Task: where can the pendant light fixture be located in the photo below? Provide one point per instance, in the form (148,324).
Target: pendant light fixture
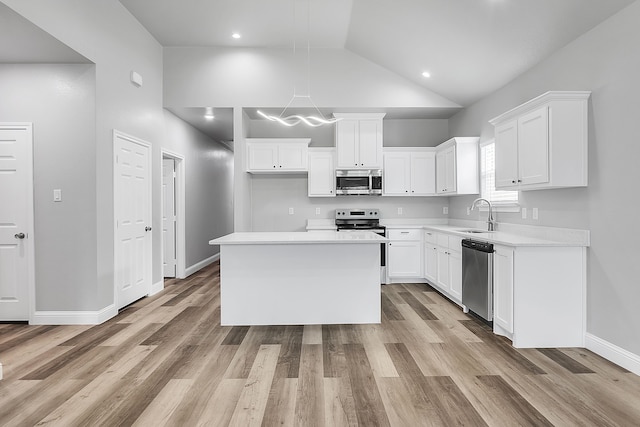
(294,119)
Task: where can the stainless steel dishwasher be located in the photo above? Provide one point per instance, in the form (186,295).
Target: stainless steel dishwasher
(477,278)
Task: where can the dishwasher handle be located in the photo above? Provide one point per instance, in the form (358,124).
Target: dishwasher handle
(477,245)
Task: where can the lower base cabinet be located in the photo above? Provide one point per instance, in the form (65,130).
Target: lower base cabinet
(449,266)
(404,253)
(503,288)
(539,295)
(430,252)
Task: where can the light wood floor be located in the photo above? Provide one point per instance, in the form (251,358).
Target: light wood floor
(166,360)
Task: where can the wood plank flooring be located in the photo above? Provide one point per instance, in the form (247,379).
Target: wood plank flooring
(165,360)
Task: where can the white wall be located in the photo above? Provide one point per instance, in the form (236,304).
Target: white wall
(605,60)
(60,102)
(107,34)
(263,78)
(209,186)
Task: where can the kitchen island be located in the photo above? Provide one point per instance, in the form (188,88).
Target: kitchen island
(299,278)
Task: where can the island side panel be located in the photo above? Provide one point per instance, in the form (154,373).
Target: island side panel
(300,284)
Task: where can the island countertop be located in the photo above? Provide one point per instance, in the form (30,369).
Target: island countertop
(302,237)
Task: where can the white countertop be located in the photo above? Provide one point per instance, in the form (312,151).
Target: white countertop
(506,234)
(545,237)
(316,237)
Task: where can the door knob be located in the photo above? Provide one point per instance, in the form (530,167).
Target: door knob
(147,229)
(19,236)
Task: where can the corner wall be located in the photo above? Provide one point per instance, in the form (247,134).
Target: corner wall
(107,34)
(59,99)
(605,60)
(209,187)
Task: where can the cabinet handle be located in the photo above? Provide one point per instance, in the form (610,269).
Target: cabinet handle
(519,180)
(513,181)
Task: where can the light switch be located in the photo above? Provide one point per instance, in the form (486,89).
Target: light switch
(524,213)
(57,195)
(445,210)
(534,213)
(290,211)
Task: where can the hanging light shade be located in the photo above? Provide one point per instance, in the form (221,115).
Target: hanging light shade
(318,118)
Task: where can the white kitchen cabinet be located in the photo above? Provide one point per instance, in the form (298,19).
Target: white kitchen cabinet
(503,288)
(322,174)
(543,143)
(449,266)
(430,262)
(539,295)
(277,155)
(404,253)
(457,166)
(359,141)
(409,172)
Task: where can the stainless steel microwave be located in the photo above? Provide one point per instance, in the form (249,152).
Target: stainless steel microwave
(353,182)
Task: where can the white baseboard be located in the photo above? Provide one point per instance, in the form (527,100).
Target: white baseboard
(74,317)
(613,353)
(157,287)
(202,264)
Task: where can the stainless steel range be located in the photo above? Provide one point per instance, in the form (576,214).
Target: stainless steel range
(367,220)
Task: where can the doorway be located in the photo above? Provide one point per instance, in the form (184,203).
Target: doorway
(17,249)
(173,215)
(132,217)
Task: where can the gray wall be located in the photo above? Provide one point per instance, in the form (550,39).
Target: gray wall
(605,60)
(272,196)
(209,186)
(107,34)
(415,132)
(60,102)
(339,79)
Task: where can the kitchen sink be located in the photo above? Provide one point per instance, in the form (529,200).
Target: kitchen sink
(475,231)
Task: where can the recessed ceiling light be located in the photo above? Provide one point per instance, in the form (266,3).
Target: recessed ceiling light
(236,35)
(426,74)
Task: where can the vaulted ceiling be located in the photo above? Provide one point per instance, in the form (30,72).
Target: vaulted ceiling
(470,47)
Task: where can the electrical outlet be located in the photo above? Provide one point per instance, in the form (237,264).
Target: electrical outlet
(290,211)
(399,211)
(524,213)
(534,213)
(317,211)
(57,195)
(445,210)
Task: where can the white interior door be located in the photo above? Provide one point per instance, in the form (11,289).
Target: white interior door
(16,220)
(168,217)
(132,199)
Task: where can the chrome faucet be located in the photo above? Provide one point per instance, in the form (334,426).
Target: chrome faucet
(491,223)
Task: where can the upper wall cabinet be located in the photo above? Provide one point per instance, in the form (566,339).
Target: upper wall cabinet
(277,155)
(322,174)
(457,166)
(542,144)
(359,141)
(409,172)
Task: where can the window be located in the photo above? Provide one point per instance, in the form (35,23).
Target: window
(488,178)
